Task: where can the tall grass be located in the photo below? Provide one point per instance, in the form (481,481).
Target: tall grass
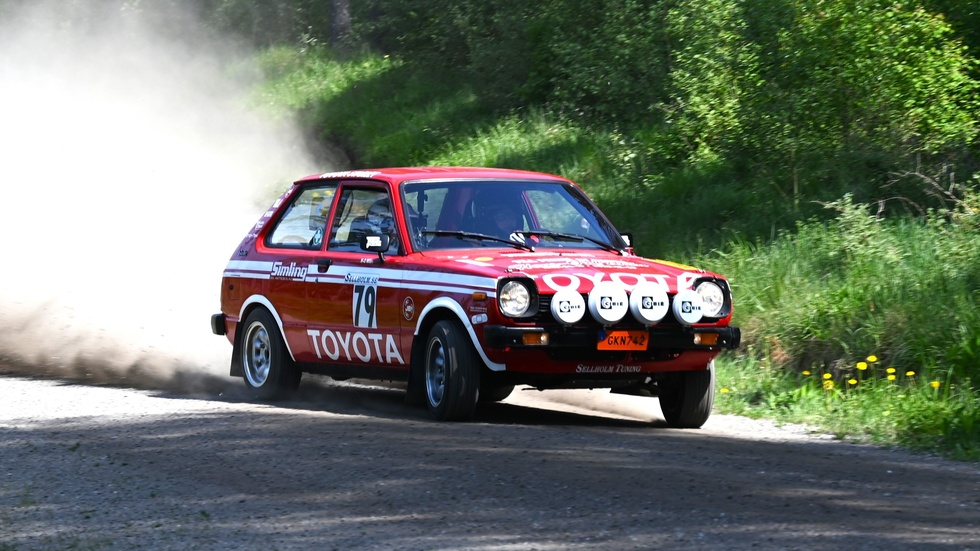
(815,304)
(815,298)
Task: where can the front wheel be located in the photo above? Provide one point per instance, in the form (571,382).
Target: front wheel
(452,373)
(686,397)
(269,372)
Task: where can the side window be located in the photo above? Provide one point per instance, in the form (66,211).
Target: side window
(303,224)
(361,212)
(422,213)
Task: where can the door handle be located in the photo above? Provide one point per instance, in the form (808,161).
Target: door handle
(322,264)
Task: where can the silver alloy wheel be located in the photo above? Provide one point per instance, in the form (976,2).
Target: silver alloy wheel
(435,372)
(257,354)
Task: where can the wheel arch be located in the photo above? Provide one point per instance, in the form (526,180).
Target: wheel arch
(444,308)
(251,304)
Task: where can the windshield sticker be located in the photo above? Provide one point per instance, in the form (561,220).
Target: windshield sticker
(350,174)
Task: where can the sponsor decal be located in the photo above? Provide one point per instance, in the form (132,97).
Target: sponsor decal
(574,281)
(350,174)
(478,319)
(566,306)
(366,279)
(649,303)
(373,241)
(293,272)
(565,262)
(609,303)
(617,368)
(354,346)
(408,308)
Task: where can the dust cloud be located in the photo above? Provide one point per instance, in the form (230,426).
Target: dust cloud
(130,168)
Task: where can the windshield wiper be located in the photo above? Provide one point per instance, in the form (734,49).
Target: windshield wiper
(573,237)
(477,236)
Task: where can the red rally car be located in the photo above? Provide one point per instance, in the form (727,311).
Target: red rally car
(465,282)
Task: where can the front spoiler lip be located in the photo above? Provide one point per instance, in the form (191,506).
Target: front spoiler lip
(678,338)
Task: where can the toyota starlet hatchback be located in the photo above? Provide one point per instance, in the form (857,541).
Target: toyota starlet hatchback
(465,282)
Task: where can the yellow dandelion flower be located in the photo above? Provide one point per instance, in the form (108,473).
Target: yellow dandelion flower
(805,372)
(891,377)
(827,376)
(828,385)
(934,384)
(890,370)
(862,366)
(872,358)
(910,373)
(852,381)
(724,391)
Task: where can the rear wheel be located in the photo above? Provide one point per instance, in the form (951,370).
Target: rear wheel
(452,373)
(269,372)
(686,397)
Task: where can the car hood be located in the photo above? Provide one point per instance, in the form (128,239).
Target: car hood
(578,269)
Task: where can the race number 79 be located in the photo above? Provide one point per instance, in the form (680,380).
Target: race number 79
(365,305)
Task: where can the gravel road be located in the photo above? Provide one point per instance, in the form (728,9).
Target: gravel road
(346,466)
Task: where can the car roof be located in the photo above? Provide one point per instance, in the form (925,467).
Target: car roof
(402,174)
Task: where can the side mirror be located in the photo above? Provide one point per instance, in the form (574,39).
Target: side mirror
(376,243)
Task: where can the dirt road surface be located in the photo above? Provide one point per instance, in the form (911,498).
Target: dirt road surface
(347,466)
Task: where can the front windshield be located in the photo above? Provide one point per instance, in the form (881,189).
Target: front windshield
(523,214)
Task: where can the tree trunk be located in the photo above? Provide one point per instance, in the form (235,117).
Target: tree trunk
(341,34)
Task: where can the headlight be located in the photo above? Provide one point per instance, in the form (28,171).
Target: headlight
(713,298)
(514,299)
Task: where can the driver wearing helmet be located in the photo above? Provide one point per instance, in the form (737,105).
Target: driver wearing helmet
(500,218)
(381,221)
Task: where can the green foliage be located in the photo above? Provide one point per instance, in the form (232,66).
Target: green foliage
(603,60)
(865,401)
(820,298)
(831,290)
(270,22)
(783,144)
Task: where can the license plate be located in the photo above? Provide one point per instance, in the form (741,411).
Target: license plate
(623,340)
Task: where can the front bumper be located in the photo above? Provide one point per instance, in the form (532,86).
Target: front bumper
(569,339)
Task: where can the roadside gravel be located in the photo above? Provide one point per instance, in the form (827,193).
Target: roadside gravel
(346,466)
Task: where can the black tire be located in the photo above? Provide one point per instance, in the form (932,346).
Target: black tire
(686,397)
(452,373)
(268,371)
(495,393)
